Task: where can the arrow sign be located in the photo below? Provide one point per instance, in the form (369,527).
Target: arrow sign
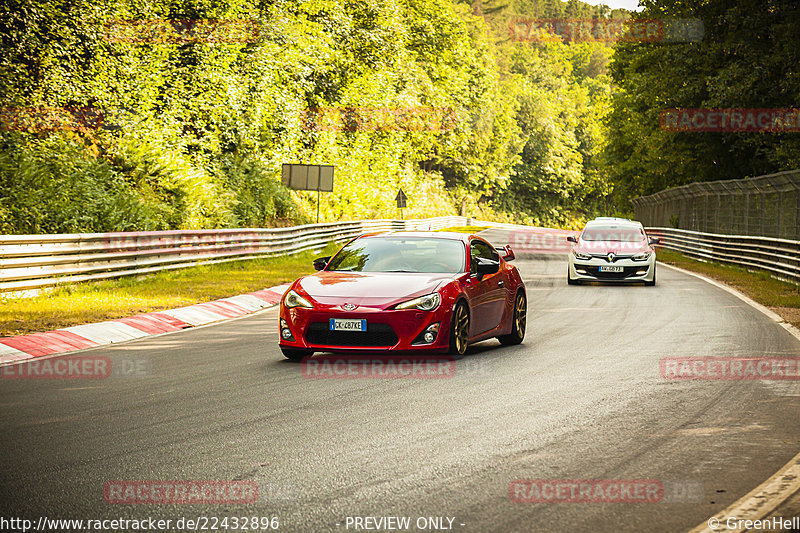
(401,199)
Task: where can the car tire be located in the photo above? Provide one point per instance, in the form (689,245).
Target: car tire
(295,355)
(518,322)
(571,281)
(459,331)
(651,283)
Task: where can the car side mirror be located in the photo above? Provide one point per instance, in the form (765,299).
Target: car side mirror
(654,240)
(485,266)
(506,253)
(321,262)
(572,238)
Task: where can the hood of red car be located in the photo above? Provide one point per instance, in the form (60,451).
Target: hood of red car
(606,247)
(373,286)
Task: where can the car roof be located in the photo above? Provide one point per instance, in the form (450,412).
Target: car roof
(447,235)
(613,222)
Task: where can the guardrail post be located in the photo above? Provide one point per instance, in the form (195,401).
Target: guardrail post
(746,213)
(659,217)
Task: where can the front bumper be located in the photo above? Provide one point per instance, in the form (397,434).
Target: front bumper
(632,271)
(387,330)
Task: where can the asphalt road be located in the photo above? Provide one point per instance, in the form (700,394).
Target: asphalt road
(582,398)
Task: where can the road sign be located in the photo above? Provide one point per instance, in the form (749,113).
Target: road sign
(308,178)
(401,199)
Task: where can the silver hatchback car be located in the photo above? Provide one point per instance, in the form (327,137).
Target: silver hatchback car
(613,250)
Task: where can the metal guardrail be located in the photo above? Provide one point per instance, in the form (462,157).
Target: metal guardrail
(781,257)
(37,261)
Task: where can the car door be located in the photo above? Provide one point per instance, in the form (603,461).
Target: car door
(489,292)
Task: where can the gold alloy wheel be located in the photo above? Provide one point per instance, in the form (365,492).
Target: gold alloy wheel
(461,329)
(520,312)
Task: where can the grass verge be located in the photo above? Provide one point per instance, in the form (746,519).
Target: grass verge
(780,296)
(82,303)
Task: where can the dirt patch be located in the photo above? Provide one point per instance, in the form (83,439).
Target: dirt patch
(789,314)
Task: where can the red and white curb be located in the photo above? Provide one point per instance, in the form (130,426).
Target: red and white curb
(135,327)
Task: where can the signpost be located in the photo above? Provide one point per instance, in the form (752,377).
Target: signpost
(401,200)
(308,178)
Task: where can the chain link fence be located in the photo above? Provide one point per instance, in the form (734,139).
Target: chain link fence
(767,206)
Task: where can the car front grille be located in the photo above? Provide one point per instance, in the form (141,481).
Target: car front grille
(627,272)
(377,335)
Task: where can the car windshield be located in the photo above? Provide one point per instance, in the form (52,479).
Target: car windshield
(400,254)
(613,233)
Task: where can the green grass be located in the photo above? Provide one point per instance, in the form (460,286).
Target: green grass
(465,229)
(82,303)
(781,296)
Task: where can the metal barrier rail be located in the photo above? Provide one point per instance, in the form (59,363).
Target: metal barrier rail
(36,261)
(781,257)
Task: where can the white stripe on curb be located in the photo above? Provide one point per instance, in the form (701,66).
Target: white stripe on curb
(249,302)
(107,332)
(196,316)
(280,289)
(8,354)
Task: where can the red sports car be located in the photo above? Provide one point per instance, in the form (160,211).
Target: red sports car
(405,292)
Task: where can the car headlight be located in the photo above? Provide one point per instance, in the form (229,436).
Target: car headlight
(429,302)
(295,300)
(581,256)
(641,256)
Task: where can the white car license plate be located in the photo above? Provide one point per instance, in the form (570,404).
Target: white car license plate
(348,324)
(610,269)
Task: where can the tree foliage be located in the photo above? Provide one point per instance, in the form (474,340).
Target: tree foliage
(194,130)
(747,59)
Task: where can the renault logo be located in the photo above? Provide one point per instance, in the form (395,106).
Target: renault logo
(611,257)
(349,307)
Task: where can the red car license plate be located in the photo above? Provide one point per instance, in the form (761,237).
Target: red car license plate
(348,324)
